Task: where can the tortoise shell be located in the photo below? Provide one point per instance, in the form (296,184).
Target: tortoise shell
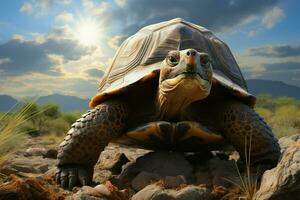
(139,57)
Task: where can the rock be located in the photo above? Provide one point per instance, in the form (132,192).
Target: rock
(35,151)
(21,166)
(283,181)
(174,181)
(29,188)
(113,158)
(85,196)
(161,163)
(215,172)
(143,179)
(203,178)
(114,162)
(102,189)
(100,175)
(222,171)
(90,193)
(100,192)
(38,151)
(157,192)
(50,153)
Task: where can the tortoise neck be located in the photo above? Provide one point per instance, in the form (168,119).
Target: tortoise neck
(169,106)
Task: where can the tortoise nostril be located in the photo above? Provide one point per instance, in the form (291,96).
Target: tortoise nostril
(191,53)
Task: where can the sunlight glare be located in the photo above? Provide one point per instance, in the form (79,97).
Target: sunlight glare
(87,32)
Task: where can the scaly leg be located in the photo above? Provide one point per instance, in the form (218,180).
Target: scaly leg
(240,123)
(86,139)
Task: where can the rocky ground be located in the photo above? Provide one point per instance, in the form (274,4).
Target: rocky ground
(129,173)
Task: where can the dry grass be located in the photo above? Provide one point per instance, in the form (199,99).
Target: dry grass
(281,113)
(247,182)
(11,130)
(52,140)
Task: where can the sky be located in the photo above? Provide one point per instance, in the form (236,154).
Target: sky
(64,46)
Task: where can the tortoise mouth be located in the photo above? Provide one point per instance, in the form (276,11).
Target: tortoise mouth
(192,75)
(185,80)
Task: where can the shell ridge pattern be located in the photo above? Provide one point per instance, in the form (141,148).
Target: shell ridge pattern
(141,54)
(131,65)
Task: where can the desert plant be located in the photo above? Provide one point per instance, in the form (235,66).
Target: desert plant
(247,182)
(11,131)
(71,117)
(58,126)
(281,113)
(39,115)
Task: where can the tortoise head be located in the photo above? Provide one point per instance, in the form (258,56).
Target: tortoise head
(185,77)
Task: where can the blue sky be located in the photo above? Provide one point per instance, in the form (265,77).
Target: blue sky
(64,46)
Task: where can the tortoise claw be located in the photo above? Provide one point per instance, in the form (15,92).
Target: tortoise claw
(69,176)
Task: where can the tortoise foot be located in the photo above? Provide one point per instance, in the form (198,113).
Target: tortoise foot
(71,175)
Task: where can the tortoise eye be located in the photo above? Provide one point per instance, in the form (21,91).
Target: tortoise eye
(204,59)
(173,58)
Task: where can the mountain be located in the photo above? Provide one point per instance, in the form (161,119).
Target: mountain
(65,103)
(7,102)
(72,103)
(275,88)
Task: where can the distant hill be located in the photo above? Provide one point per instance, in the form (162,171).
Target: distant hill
(65,103)
(275,88)
(7,102)
(72,103)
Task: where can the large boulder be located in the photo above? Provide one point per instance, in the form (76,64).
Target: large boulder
(283,181)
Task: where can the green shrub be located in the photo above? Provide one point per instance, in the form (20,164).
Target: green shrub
(11,129)
(71,117)
(281,113)
(57,126)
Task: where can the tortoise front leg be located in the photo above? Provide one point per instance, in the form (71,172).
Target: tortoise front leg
(86,139)
(240,122)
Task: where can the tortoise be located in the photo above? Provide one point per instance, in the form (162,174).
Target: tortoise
(173,85)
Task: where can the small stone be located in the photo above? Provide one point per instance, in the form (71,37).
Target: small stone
(50,153)
(143,179)
(35,151)
(43,168)
(102,189)
(92,191)
(148,192)
(203,177)
(157,192)
(174,181)
(222,171)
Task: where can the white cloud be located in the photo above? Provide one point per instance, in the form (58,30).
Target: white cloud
(41,7)
(101,9)
(281,62)
(87,4)
(121,3)
(50,63)
(4,60)
(273,17)
(37,7)
(39,38)
(64,17)
(18,37)
(65,1)
(116,41)
(252,33)
(27,8)
(56,59)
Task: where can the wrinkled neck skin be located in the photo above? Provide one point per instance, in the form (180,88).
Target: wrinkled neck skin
(172,99)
